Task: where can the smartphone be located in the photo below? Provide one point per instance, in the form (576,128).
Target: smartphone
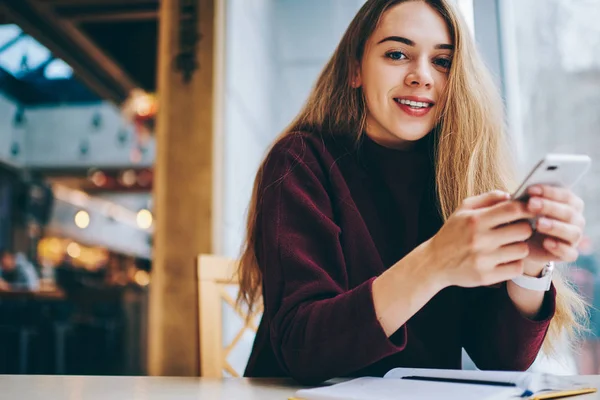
(563,170)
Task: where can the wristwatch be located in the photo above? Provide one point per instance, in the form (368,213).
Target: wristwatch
(541,283)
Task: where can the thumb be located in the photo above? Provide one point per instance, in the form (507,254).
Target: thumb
(485,200)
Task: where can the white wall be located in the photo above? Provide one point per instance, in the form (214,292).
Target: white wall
(248,109)
(54,136)
(307,32)
(9,133)
(275,50)
(50,137)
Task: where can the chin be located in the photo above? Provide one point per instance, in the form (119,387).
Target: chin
(411,136)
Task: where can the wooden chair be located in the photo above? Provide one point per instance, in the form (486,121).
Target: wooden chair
(225,333)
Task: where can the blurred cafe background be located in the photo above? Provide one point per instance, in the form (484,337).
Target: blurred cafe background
(130,134)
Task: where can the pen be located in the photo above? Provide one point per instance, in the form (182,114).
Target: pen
(455,380)
(544,396)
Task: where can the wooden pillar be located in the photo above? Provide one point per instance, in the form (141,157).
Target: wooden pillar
(188,94)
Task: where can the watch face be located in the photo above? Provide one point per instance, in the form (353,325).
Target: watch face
(548,268)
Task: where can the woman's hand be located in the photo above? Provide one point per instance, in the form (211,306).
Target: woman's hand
(484,242)
(559,228)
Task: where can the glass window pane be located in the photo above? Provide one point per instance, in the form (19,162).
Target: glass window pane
(8,32)
(557,93)
(23,56)
(58,69)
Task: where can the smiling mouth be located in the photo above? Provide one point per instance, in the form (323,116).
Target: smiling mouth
(413,104)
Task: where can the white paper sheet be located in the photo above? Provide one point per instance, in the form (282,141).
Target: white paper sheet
(524,380)
(400,389)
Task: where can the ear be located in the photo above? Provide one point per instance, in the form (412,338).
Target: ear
(355,76)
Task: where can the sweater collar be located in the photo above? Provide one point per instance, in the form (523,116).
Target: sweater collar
(414,163)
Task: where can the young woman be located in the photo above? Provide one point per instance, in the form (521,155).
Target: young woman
(380,233)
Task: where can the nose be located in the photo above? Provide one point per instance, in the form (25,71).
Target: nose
(420,75)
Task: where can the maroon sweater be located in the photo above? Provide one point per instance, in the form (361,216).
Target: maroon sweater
(332,217)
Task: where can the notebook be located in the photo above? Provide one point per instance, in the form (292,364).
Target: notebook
(416,383)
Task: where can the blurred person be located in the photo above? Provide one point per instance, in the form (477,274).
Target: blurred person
(380,232)
(17,273)
(68,276)
(588,282)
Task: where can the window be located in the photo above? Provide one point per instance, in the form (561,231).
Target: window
(8,33)
(58,69)
(24,55)
(20,53)
(552,72)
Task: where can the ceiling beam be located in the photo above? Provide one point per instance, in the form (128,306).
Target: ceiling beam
(11,42)
(66,41)
(117,16)
(98,2)
(108,12)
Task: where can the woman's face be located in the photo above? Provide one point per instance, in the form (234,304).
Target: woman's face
(403,73)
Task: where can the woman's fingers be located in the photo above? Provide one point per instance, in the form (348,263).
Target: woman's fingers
(558,194)
(555,210)
(491,234)
(504,255)
(516,232)
(502,264)
(504,213)
(568,233)
(510,253)
(561,250)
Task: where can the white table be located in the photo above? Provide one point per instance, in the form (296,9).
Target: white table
(30,387)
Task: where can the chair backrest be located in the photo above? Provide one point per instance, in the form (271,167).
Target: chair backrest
(226,335)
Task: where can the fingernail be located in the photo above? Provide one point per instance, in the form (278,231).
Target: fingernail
(551,243)
(536,190)
(535,204)
(544,223)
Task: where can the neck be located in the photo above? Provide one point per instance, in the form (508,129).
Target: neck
(385,138)
(391,143)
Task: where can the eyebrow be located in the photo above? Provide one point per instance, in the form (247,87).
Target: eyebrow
(409,42)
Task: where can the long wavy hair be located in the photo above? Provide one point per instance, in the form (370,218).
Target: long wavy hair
(471,151)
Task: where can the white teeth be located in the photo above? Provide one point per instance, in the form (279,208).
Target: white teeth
(415,104)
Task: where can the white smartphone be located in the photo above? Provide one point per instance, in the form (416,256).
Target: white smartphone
(563,170)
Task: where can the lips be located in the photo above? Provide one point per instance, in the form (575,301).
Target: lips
(414,106)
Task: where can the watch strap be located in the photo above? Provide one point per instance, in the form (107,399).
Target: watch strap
(541,284)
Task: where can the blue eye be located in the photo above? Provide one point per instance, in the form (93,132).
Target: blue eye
(443,62)
(395,55)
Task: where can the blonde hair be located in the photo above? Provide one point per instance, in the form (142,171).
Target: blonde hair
(471,150)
